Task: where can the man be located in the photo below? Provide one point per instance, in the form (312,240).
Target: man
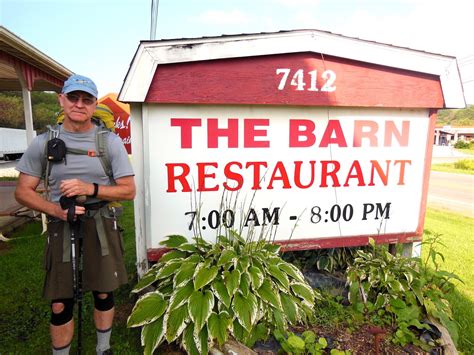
(79,175)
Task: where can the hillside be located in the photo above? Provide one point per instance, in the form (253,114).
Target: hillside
(456,118)
(45,107)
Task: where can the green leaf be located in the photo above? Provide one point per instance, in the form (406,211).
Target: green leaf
(181,296)
(174,241)
(232,281)
(245,284)
(256,275)
(304,291)
(309,336)
(296,343)
(175,321)
(218,325)
(243,263)
(221,292)
(292,271)
(238,331)
(259,332)
(203,275)
(269,295)
(396,286)
(152,336)
(188,340)
(184,274)
(188,247)
(279,319)
(168,269)
(290,306)
(245,310)
(200,307)
(202,341)
(228,255)
(279,275)
(171,255)
(145,281)
(272,248)
(148,308)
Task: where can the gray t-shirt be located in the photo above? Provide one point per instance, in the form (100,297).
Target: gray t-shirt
(86,168)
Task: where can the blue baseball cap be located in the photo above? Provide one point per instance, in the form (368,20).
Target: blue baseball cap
(80,83)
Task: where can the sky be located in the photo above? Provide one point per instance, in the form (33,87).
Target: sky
(98,38)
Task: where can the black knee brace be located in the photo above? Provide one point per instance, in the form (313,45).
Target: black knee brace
(66,314)
(103,304)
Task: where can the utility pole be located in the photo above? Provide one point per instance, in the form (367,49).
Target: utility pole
(154,18)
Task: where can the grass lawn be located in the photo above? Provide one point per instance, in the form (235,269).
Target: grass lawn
(24,315)
(464,166)
(457,234)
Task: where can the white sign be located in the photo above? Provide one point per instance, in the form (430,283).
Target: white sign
(334,172)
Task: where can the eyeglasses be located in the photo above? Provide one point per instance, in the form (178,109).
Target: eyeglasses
(73,98)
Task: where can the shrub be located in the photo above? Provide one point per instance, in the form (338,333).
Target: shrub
(402,292)
(461,144)
(465,164)
(208,292)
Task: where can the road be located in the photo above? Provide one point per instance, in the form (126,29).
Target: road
(454,192)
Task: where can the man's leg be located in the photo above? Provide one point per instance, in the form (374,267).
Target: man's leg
(104,311)
(62,325)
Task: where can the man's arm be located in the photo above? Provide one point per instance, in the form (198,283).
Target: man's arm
(123,190)
(26,195)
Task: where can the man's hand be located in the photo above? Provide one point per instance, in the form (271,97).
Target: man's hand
(76,187)
(62,214)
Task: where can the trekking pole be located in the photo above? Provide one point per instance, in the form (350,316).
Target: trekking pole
(79,282)
(70,205)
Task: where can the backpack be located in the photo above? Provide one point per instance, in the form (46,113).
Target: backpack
(100,151)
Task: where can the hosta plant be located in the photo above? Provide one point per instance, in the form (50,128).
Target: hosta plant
(206,293)
(402,292)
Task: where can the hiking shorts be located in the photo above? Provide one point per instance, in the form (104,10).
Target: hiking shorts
(103,267)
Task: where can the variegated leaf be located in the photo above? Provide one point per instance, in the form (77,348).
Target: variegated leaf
(279,275)
(268,294)
(175,321)
(256,275)
(181,295)
(245,309)
(152,336)
(272,248)
(245,284)
(201,340)
(227,256)
(243,263)
(292,271)
(221,292)
(203,275)
(145,281)
(184,274)
(218,325)
(188,247)
(200,307)
(147,309)
(290,306)
(304,291)
(171,255)
(188,340)
(169,269)
(232,281)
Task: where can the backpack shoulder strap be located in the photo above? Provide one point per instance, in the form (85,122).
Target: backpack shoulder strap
(53,132)
(102,147)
